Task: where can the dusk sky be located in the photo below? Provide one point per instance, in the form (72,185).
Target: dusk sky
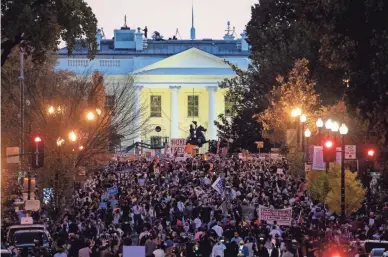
(166,16)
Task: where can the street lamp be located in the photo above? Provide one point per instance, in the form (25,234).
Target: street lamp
(51,110)
(319,124)
(81,148)
(328,125)
(343,131)
(295,113)
(72,136)
(90,116)
(335,128)
(303,119)
(98,111)
(307,135)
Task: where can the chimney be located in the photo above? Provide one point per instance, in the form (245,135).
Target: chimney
(139,40)
(244,43)
(98,39)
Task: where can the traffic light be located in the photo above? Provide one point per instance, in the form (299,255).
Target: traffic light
(329,151)
(37,152)
(371,153)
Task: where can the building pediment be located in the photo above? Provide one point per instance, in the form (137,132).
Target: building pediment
(193,58)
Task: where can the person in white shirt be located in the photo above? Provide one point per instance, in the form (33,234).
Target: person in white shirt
(159,252)
(197,222)
(218,249)
(218,229)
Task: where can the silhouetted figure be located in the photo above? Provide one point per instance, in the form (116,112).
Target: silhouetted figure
(145,31)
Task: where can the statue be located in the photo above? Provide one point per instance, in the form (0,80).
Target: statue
(197,135)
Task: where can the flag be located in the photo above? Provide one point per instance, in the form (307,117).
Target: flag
(218,185)
(300,218)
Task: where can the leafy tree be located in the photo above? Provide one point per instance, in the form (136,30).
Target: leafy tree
(59,104)
(38,26)
(354,193)
(318,185)
(295,91)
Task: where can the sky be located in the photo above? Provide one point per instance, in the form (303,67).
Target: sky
(166,16)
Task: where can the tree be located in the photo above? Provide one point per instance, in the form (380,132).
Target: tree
(295,91)
(38,26)
(318,185)
(60,103)
(346,43)
(354,193)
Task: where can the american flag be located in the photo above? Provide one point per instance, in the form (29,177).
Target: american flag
(218,185)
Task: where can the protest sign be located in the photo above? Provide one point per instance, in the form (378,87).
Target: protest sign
(178,146)
(282,216)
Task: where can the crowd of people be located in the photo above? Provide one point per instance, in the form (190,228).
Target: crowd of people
(170,207)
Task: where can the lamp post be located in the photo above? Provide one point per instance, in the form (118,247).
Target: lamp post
(319,125)
(343,131)
(335,128)
(303,119)
(307,135)
(328,125)
(295,113)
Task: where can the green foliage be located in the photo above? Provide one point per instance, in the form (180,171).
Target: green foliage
(38,26)
(326,188)
(318,185)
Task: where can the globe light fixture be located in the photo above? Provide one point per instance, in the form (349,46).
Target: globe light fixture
(328,124)
(73,136)
(90,116)
(51,110)
(319,123)
(335,126)
(307,133)
(296,112)
(98,111)
(343,129)
(81,148)
(303,118)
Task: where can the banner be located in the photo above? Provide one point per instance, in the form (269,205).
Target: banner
(178,146)
(283,217)
(218,185)
(318,163)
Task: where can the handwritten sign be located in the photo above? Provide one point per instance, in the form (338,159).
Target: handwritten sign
(178,146)
(282,216)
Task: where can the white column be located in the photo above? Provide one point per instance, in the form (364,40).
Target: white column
(137,113)
(174,112)
(212,112)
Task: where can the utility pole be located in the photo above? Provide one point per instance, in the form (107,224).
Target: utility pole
(21,79)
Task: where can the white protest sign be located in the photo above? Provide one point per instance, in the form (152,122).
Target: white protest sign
(350,152)
(32,205)
(178,146)
(281,216)
(26,221)
(138,251)
(318,163)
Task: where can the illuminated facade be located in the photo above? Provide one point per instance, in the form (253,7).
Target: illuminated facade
(177,79)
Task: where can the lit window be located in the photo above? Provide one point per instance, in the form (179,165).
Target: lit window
(156,106)
(192,106)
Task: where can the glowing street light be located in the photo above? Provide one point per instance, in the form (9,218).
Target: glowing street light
(37,140)
(81,148)
(98,111)
(73,136)
(90,116)
(51,110)
(296,112)
(60,141)
(303,118)
(307,133)
(343,129)
(328,124)
(335,126)
(319,123)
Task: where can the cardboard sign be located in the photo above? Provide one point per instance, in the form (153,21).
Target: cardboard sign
(113,190)
(282,216)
